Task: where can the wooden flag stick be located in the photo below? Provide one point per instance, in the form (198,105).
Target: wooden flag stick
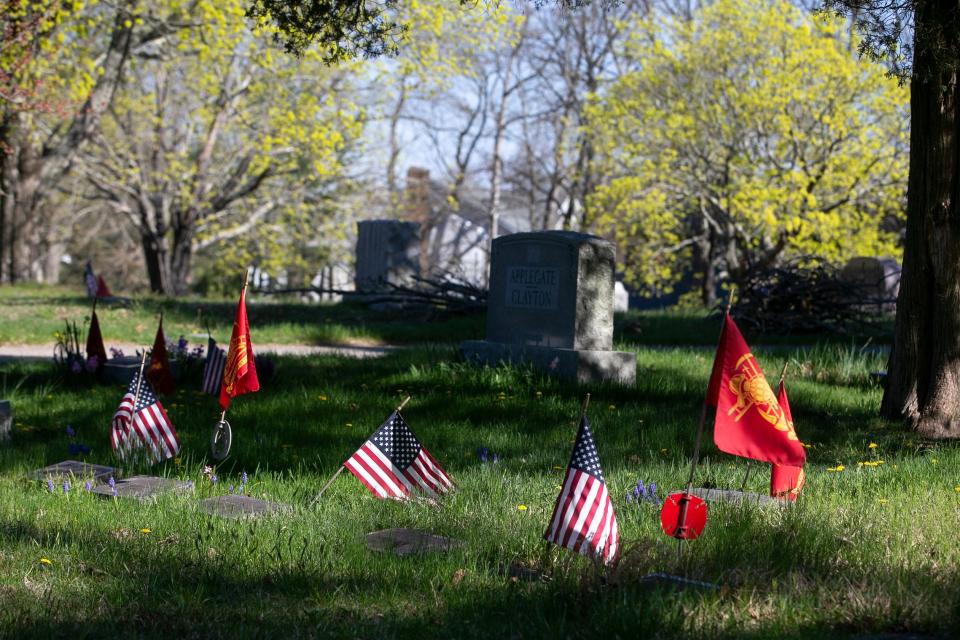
(783,372)
(403,404)
(733,293)
(326,486)
(743,486)
(586,403)
(136,395)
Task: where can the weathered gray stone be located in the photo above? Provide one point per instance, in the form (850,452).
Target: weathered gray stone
(388,252)
(233,506)
(405,542)
(551,304)
(876,280)
(583,366)
(73,469)
(730,495)
(676,583)
(6,421)
(140,487)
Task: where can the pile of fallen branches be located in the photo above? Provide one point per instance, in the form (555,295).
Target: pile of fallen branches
(793,299)
(446,294)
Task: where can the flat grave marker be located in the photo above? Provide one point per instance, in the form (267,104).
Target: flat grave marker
(140,487)
(731,495)
(405,542)
(74,469)
(236,507)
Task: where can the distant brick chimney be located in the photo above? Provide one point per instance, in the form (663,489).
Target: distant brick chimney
(417,194)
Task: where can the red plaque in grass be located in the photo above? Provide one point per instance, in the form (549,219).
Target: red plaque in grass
(688,507)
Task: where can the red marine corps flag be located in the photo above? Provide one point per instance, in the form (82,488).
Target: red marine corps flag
(239,374)
(158,371)
(750,422)
(785,480)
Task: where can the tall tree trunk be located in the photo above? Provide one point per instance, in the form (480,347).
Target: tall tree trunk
(155,257)
(923,385)
(180,261)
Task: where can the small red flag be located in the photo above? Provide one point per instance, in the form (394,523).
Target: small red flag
(785,480)
(750,422)
(158,373)
(95,342)
(239,373)
(102,290)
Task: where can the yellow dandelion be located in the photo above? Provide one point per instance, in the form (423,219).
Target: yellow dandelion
(45,561)
(177,461)
(144,531)
(611,407)
(556,467)
(957,488)
(836,469)
(663,450)
(872,445)
(322,398)
(882,501)
(539,394)
(349,424)
(934,461)
(521,507)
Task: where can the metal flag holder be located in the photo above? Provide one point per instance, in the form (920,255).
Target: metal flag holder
(220,439)
(222,435)
(341,467)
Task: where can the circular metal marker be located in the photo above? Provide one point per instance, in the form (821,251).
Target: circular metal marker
(688,508)
(220,440)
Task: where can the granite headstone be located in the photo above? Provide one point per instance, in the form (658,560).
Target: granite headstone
(551,305)
(388,253)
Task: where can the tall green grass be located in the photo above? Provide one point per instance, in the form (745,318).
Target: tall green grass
(867,549)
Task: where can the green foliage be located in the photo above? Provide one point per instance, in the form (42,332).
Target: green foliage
(746,135)
(340,30)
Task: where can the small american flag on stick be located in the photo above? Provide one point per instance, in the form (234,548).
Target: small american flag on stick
(392,463)
(213,368)
(583,518)
(141,421)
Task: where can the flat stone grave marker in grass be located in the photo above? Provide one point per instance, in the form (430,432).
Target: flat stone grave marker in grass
(140,487)
(730,495)
(75,469)
(6,421)
(406,542)
(678,583)
(551,305)
(233,506)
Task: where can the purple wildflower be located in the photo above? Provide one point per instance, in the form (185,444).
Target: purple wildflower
(92,363)
(213,479)
(230,489)
(49,485)
(243,478)
(182,345)
(87,485)
(70,431)
(495,458)
(482,453)
(66,486)
(111,482)
(76,367)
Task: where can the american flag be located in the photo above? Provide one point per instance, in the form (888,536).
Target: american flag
(213,368)
(145,425)
(583,518)
(90,280)
(392,463)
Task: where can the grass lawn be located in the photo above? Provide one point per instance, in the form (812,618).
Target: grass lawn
(31,314)
(867,549)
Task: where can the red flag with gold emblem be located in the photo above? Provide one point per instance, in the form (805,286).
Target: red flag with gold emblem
(239,373)
(158,373)
(785,480)
(750,422)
